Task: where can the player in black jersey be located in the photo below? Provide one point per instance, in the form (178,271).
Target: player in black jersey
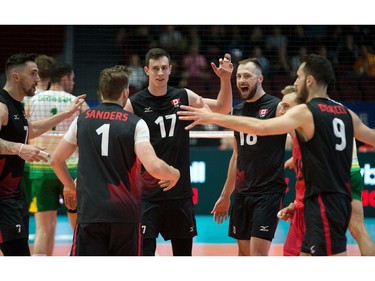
(171,213)
(256,170)
(21,80)
(110,141)
(325,131)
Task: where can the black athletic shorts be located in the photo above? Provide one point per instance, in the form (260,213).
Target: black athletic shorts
(170,218)
(327,218)
(255,216)
(14,219)
(107,239)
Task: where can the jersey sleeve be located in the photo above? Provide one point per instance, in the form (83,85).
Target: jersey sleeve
(71,134)
(142,132)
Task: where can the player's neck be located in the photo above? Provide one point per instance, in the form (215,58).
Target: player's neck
(14,93)
(56,87)
(318,93)
(158,91)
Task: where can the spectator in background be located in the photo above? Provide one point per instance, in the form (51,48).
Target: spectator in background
(264,62)
(322,50)
(214,39)
(173,40)
(276,50)
(256,39)
(236,40)
(347,53)
(365,63)
(194,63)
(193,36)
(296,60)
(138,78)
(134,40)
(297,40)
(46,188)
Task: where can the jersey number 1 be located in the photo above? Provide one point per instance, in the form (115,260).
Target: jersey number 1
(104,131)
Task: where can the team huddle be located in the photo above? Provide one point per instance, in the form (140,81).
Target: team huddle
(123,167)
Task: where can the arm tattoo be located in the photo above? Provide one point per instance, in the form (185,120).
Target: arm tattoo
(6,147)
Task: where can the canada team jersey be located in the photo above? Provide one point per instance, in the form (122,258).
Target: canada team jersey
(260,160)
(108,168)
(12,166)
(333,139)
(41,106)
(298,165)
(168,137)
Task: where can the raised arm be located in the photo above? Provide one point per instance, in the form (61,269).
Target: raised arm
(223,103)
(36,128)
(297,117)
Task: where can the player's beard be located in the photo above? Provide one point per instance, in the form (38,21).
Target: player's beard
(29,92)
(251,93)
(303,93)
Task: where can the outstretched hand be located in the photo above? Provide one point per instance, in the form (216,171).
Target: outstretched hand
(225,68)
(202,115)
(33,153)
(76,104)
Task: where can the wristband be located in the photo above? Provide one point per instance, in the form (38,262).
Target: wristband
(19,151)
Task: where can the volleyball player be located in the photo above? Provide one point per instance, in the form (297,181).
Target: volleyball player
(294,211)
(46,188)
(15,131)
(325,130)
(255,174)
(171,213)
(110,141)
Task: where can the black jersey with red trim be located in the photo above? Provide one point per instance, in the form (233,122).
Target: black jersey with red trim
(12,166)
(327,157)
(168,137)
(260,159)
(108,168)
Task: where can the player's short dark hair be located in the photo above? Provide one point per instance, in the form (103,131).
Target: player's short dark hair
(59,70)
(18,59)
(156,53)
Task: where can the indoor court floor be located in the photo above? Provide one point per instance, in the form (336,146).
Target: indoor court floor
(212,239)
